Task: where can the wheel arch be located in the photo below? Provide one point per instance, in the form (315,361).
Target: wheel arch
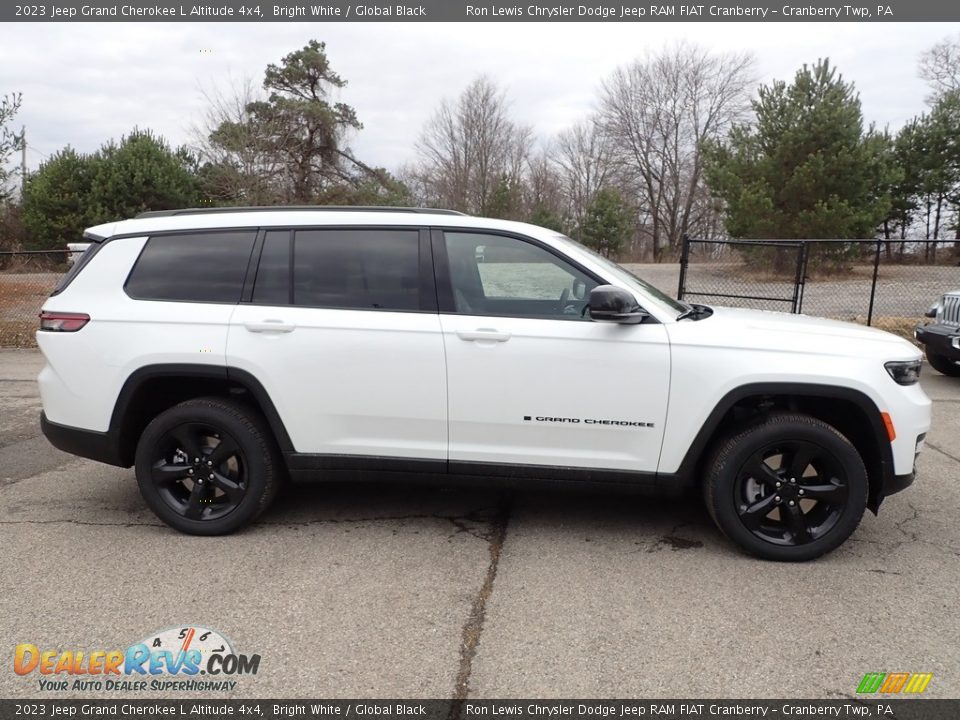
(152,389)
(850,411)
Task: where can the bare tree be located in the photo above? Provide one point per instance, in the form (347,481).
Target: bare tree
(10,141)
(657,112)
(940,66)
(239,160)
(543,189)
(585,159)
(470,148)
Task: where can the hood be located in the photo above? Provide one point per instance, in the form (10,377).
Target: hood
(803,333)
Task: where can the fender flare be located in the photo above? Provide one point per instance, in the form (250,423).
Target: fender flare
(711,426)
(246,380)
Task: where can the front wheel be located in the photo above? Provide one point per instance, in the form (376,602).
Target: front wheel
(943,364)
(788,488)
(207,466)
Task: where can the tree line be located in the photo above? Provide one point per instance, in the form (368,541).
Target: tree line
(680,142)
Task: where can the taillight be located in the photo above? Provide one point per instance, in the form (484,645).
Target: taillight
(63,321)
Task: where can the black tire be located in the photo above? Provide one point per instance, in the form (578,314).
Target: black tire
(208,466)
(943,364)
(760,500)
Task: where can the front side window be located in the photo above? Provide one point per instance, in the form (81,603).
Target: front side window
(192,267)
(357,269)
(499,275)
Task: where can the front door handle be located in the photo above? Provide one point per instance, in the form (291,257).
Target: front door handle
(483,335)
(277,326)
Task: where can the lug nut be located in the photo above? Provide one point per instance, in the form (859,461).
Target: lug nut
(793,480)
(792,503)
(779,483)
(800,492)
(211,476)
(196,460)
(209,463)
(776,498)
(190,471)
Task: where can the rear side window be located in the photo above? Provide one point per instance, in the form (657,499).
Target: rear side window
(192,267)
(342,268)
(78,264)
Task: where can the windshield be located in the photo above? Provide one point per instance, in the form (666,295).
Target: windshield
(621,273)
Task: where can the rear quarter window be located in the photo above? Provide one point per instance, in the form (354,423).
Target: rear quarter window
(192,267)
(78,264)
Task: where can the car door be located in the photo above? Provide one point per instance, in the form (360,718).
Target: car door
(341,329)
(531,379)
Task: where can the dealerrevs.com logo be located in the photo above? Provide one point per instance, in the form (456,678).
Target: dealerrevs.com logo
(187,658)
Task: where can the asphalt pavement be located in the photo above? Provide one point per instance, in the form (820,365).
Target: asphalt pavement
(398,591)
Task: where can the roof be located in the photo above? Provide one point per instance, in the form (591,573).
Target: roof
(287,208)
(210,218)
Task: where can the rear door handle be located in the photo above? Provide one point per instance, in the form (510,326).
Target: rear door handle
(483,335)
(277,326)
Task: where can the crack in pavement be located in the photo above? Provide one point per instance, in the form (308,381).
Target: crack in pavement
(473,627)
(942,451)
(460,522)
(81,522)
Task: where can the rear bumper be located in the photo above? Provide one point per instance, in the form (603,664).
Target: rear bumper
(99,446)
(941,339)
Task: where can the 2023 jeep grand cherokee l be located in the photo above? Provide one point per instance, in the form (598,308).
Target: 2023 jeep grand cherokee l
(220,352)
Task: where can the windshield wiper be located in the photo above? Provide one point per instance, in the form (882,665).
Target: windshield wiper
(696,312)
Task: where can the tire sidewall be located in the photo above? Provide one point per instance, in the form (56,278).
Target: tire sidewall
(255,453)
(724,479)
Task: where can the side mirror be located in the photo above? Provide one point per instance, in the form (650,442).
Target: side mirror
(612,304)
(932,311)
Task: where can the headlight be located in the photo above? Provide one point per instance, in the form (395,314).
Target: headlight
(904,372)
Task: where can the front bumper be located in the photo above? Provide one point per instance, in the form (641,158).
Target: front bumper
(896,483)
(940,339)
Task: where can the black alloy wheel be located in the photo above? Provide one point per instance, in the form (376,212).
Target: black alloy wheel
(791,493)
(200,471)
(786,487)
(208,466)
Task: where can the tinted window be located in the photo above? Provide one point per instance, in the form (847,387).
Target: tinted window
(497,275)
(78,264)
(198,267)
(273,273)
(357,269)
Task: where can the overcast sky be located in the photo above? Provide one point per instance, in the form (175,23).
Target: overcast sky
(85,83)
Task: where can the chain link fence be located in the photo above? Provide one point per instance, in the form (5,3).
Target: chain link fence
(26,280)
(888,285)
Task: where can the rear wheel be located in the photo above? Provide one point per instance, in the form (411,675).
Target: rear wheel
(943,364)
(207,466)
(788,488)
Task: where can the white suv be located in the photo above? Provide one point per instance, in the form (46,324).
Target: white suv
(220,352)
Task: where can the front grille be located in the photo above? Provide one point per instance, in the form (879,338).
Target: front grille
(950,310)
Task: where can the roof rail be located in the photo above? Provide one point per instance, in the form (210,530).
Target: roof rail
(320,208)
